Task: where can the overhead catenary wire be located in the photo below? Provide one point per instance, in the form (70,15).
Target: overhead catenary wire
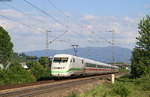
(15,21)
(53,17)
(59,10)
(11,6)
(58,37)
(50,15)
(26,25)
(52,4)
(44,12)
(47,14)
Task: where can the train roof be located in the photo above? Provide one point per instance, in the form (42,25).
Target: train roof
(63,55)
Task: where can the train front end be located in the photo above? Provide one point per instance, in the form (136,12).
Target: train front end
(60,66)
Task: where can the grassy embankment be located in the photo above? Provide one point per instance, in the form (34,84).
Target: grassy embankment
(124,87)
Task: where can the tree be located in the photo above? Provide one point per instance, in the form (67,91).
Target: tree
(43,61)
(38,70)
(15,74)
(5,47)
(141,53)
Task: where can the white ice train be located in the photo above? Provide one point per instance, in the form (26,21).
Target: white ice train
(65,65)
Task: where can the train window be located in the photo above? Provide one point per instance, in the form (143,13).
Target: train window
(99,66)
(60,59)
(73,60)
(90,65)
(82,61)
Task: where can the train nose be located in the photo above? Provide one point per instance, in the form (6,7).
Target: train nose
(58,68)
(59,71)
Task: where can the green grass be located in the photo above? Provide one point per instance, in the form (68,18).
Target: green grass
(123,87)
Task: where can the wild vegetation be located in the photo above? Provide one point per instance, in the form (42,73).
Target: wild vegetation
(125,86)
(6,47)
(38,70)
(15,73)
(141,53)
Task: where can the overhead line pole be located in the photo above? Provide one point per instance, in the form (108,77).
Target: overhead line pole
(47,43)
(75,47)
(113,48)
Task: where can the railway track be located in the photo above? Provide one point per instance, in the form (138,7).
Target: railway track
(52,86)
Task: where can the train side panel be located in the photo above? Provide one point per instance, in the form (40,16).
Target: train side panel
(76,66)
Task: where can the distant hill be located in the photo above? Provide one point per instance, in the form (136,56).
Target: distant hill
(103,54)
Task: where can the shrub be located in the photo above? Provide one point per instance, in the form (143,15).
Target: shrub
(144,82)
(18,75)
(2,77)
(38,70)
(15,74)
(72,94)
(44,61)
(121,90)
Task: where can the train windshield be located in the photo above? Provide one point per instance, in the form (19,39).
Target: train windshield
(60,60)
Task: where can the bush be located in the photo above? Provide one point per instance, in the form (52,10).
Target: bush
(38,70)
(121,90)
(15,74)
(2,77)
(72,94)
(44,61)
(18,75)
(144,82)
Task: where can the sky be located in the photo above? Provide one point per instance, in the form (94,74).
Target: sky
(88,23)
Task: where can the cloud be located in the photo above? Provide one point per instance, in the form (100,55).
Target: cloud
(89,17)
(91,27)
(147,6)
(11,13)
(131,20)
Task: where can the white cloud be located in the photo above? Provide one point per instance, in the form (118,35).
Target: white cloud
(130,20)
(147,6)
(89,17)
(95,29)
(11,13)
(116,27)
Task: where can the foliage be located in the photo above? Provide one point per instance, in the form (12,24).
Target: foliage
(124,86)
(141,53)
(16,57)
(38,70)
(5,47)
(144,82)
(31,58)
(123,69)
(44,61)
(72,94)
(15,74)
(121,90)
(3,77)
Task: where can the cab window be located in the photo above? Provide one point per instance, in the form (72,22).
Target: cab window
(60,60)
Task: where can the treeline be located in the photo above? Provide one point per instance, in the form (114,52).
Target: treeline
(16,74)
(140,62)
(13,71)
